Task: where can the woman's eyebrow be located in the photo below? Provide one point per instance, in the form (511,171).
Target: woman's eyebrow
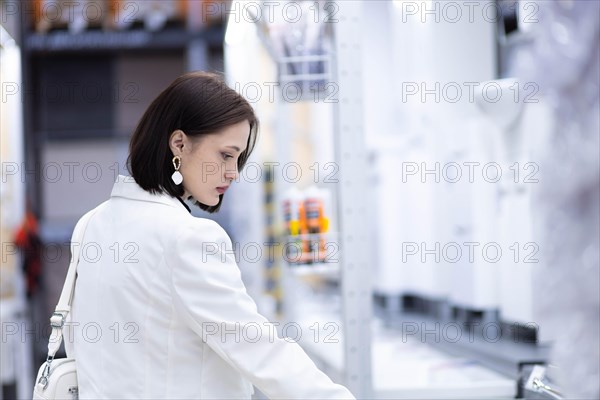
(234,147)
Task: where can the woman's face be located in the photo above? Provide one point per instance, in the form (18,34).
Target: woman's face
(209,162)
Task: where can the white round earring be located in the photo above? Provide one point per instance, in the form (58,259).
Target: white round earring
(177,177)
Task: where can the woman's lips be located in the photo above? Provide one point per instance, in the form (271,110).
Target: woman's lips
(222,189)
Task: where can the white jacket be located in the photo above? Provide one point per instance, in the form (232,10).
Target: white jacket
(160,311)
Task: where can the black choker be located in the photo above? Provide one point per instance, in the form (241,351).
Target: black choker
(185,205)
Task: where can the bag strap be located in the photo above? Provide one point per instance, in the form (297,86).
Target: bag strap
(58,318)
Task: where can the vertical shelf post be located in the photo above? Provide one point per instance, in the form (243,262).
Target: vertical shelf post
(352,202)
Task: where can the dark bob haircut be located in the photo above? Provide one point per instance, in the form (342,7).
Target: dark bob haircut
(198,103)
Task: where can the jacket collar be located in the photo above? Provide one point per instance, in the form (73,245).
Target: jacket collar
(127,187)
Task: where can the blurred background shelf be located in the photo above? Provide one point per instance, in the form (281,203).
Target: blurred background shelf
(91,41)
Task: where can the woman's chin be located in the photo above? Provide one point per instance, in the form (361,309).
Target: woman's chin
(214,201)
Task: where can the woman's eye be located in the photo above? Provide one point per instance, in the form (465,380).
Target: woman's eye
(226,156)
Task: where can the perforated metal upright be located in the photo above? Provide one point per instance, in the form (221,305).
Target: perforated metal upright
(352,200)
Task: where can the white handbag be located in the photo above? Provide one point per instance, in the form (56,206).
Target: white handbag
(57,378)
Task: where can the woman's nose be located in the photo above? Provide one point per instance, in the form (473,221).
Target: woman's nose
(231,174)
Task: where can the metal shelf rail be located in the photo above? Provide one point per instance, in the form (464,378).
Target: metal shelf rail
(351,159)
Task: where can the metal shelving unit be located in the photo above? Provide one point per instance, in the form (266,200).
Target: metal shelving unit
(372,362)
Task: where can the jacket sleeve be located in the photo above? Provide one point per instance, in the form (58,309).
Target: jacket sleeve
(208,290)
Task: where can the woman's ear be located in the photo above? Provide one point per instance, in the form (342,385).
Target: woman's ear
(177,141)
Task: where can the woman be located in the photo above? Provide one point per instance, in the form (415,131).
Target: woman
(159,309)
